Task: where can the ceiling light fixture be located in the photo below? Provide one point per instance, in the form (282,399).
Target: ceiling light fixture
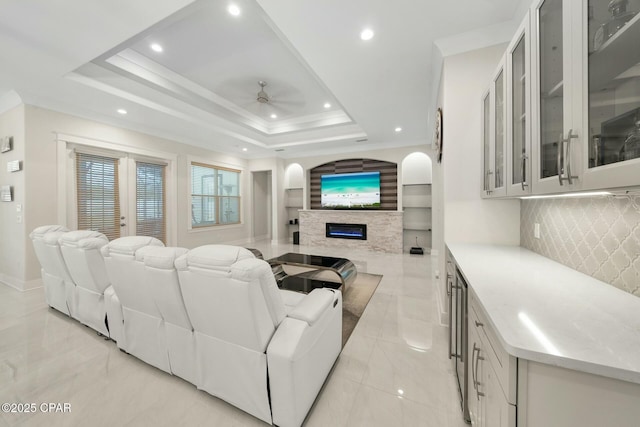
(234,10)
(327,105)
(398,129)
(274,116)
(122,111)
(366,34)
(156,47)
(245,149)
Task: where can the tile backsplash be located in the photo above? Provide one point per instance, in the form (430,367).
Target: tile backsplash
(597,236)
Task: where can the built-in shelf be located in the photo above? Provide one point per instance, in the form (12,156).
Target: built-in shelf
(556,91)
(615,56)
(416,228)
(416,203)
(294,201)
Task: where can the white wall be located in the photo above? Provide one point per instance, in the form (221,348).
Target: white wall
(294,176)
(41,192)
(13,235)
(416,169)
(466,217)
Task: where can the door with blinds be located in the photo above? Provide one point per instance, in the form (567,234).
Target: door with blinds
(120,195)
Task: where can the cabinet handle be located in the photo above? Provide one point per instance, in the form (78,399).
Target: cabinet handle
(564,159)
(559,161)
(479,324)
(478,383)
(523,171)
(473,367)
(450,322)
(570,136)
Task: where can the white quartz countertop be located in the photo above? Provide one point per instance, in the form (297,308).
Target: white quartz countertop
(546,312)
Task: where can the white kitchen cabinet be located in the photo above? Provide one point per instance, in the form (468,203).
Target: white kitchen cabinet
(518,65)
(492,374)
(586,94)
(535,357)
(494,135)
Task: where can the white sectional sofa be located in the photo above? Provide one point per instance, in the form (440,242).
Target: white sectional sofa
(213,316)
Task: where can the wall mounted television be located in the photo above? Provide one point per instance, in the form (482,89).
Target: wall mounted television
(360,190)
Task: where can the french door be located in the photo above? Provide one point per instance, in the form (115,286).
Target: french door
(119,194)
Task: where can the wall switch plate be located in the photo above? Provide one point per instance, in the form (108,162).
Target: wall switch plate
(536,230)
(19,207)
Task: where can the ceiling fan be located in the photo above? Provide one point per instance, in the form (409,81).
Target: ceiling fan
(278,105)
(267,99)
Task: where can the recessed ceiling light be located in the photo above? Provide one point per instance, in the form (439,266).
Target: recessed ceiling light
(398,129)
(245,149)
(234,10)
(274,116)
(366,34)
(327,105)
(122,111)
(156,47)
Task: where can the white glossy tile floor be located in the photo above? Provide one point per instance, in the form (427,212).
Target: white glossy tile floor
(393,371)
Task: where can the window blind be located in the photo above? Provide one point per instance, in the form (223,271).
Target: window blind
(98,197)
(151,201)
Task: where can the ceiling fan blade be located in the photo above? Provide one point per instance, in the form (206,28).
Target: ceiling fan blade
(290,103)
(280,111)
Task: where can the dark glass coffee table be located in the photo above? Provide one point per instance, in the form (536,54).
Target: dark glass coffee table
(303,273)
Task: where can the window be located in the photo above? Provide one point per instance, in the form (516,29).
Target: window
(98,198)
(150,200)
(215,195)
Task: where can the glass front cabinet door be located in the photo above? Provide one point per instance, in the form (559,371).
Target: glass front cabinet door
(610,41)
(519,112)
(494,135)
(586,94)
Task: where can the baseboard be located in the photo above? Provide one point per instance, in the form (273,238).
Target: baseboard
(19,284)
(259,238)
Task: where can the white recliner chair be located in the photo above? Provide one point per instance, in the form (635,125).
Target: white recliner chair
(161,273)
(59,289)
(249,343)
(144,333)
(81,252)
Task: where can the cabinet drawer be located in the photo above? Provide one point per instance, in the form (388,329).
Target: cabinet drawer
(502,362)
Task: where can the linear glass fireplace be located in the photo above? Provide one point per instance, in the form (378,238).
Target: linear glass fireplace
(346,231)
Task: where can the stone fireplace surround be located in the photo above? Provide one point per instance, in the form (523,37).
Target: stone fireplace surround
(384,229)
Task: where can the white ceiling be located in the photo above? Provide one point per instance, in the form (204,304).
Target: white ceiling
(92,57)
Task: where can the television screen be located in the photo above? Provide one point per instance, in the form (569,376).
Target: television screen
(359,190)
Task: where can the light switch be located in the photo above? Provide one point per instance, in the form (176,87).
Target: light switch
(19,207)
(536,230)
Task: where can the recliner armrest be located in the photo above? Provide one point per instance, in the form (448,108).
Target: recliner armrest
(311,308)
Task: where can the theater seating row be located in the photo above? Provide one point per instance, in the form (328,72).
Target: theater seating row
(213,316)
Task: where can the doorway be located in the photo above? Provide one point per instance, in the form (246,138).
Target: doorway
(262,204)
